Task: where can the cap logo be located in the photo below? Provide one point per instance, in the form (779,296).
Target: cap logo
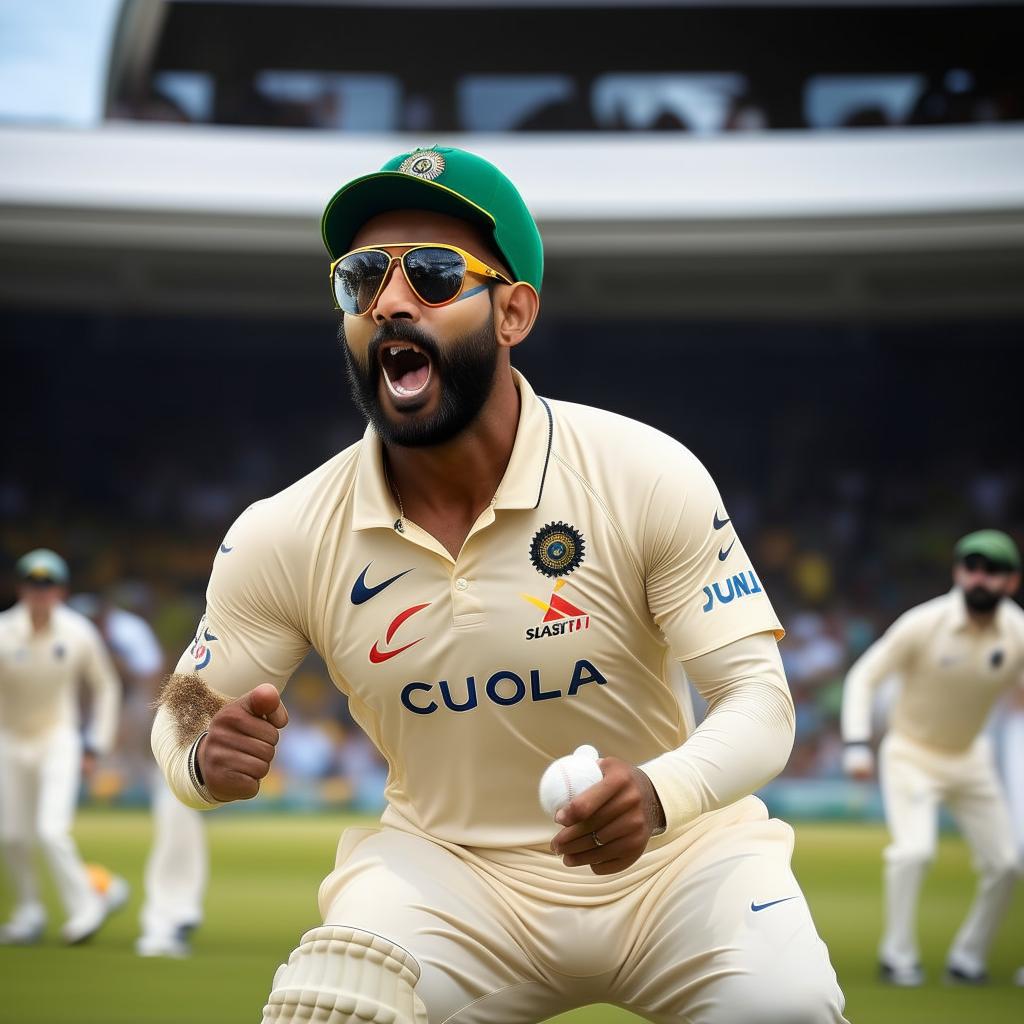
(424,163)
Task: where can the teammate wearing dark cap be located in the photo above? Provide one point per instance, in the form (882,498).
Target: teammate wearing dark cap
(495,579)
(955,656)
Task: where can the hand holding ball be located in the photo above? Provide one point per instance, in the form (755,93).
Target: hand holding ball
(566,778)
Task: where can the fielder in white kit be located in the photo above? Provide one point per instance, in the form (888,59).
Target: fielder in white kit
(46,650)
(495,579)
(955,656)
(177,868)
(1013,778)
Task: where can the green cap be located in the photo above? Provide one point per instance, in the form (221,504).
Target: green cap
(43,566)
(995,545)
(442,180)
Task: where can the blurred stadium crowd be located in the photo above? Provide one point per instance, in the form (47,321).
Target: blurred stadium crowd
(849,464)
(703,103)
(669,67)
(850,454)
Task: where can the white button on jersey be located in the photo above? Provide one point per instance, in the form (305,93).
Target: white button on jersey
(462,583)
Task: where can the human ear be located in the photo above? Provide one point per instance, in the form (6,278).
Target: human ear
(515,311)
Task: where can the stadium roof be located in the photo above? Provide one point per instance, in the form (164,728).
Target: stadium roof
(882,219)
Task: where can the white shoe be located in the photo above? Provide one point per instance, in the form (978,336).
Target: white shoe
(162,945)
(901,977)
(26,926)
(962,972)
(86,924)
(117,894)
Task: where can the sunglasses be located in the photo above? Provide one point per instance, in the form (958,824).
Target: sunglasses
(976,562)
(434,271)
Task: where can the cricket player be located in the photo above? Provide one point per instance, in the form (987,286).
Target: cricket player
(955,656)
(46,650)
(493,579)
(177,868)
(1013,775)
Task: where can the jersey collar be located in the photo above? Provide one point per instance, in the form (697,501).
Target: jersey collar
(960,621)
(521,487)
(23,623)
(523,483)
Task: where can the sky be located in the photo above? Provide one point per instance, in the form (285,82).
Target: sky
(53,60)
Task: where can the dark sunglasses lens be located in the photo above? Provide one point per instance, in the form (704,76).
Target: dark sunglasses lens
(435,274)
(975,562)
(357,278)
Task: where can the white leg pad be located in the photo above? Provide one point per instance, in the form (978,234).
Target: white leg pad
(346,976)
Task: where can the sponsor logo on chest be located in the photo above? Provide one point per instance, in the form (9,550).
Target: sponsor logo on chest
(561,616)
(504,689)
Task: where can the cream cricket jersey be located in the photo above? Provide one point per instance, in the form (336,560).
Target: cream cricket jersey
(951,672)
(605,553)
(40,674)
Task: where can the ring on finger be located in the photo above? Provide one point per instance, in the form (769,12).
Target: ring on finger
(597,841)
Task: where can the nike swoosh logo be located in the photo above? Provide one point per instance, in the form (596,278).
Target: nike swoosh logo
(225,548)
(755,907)
(361,593)
(719,523)
(378,656)
(208,636)
(723,555)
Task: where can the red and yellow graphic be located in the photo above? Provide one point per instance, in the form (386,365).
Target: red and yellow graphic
(560,616)
(376,655)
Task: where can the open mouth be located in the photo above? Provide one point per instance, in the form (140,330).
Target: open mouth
(406,368)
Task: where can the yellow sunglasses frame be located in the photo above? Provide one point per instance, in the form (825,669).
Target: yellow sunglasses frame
(473,266)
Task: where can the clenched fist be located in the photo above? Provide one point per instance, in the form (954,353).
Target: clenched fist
(239,746)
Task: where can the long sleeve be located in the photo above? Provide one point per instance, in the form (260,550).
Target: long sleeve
(702,589)
(889,654)
(251,634)
(101,677)
(745,738)
(176,762)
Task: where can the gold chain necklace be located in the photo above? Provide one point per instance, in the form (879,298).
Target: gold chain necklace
(392,486)
(397,495)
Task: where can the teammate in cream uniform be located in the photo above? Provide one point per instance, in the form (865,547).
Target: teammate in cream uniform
(1013,776)
(177,868)
(46,650)
(495,579)
(956,656)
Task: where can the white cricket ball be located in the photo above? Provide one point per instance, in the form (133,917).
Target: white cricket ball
(563,780)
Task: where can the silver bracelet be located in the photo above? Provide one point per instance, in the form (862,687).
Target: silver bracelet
(195,776)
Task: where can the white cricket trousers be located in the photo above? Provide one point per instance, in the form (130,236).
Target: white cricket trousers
(709,926)
(177,868)
(915,780)
(1013,770)
(39,778)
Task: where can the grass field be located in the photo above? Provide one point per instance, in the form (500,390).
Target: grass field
(265,873)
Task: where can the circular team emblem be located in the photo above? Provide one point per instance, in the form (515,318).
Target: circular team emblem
(424,163)
(556,549)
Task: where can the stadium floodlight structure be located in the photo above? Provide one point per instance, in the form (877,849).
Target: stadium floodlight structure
(219,213)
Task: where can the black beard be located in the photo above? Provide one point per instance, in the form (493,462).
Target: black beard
(465,368)
(981,599)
